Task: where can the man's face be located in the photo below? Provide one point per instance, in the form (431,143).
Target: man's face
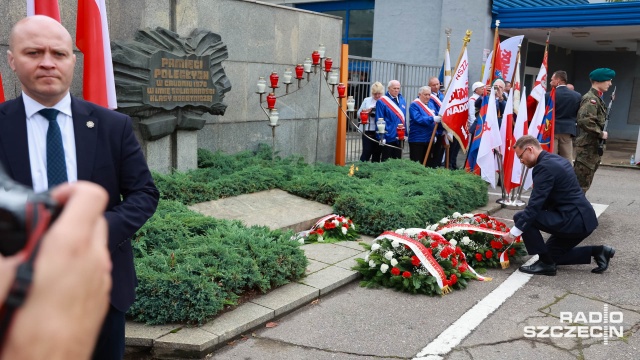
(42,57)
(526,156)
(394,89)
(554,81)
(434,85)
(424,96)
(602,86)
(499,90)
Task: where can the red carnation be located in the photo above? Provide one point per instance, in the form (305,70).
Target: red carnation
(488,254)
(395,271)
(483,226)
(434,244)
(320,231)
(407,247)
(471,232)
(478,257)
(454,262)
(406,274)
(415,261)
(429,251)
(454,279)
(458,250)
(496,244)
(512,251)
(462,268)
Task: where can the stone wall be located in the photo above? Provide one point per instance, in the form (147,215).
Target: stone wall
(260,38)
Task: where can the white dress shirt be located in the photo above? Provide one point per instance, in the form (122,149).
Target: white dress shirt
(37,126)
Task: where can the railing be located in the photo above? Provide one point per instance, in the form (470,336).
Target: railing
(365,71)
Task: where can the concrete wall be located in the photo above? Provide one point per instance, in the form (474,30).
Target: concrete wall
(260,38)
(412,31)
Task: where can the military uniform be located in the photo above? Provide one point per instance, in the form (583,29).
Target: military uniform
(591,118)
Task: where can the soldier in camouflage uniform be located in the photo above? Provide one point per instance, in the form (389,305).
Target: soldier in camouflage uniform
(591,118)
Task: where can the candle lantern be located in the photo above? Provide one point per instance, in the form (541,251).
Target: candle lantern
(328,62)
(321,50)
(307,65)
(341,90)
(273,78)
(364,117)
(381,125)
(400,132)
(287,77)
(351,103)
(299,71)
(315,56)
(271,101)
(262,84)
(273,117)
(333,78)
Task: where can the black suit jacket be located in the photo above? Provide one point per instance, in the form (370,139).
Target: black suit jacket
(109,155)
(557,199)
(566,110)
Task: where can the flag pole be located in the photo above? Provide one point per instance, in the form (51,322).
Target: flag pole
(493,57)
(518,95)
(465,41)
(447,145)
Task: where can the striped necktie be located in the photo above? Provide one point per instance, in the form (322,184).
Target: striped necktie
(56,165)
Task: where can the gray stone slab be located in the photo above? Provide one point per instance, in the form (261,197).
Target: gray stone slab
(351,262)
(521,350)
(188,342)
(241,319)
(287,298)
(329,279)
(315,266)
(328,253)
(575,304)
(139,334)
(355,245)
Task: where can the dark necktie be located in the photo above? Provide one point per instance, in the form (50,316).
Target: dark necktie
(56,165)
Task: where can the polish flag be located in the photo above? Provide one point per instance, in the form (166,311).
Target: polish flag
(43,7)
(92,38)
(490,141)
(519,130)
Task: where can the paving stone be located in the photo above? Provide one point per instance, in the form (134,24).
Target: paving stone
(315,266)
(355,245)
(188,342)
(139,334)
(351,262)
(328,253)
(330,278)
(241,319)
(287,298)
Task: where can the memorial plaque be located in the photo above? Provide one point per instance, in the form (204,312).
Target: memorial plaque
(169,82)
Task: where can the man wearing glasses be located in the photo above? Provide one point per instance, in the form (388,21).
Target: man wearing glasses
(557,206)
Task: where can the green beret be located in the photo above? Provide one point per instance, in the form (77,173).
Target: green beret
(602,74)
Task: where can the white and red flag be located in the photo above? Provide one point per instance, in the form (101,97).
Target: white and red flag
(519,130)
(540,86)
(490,140)
(508,140)
(455,107)
(44,7)
(506,60)
(92,38)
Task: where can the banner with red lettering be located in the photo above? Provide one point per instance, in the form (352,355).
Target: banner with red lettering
(455,108)
(507,56)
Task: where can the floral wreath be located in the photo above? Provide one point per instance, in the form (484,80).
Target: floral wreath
(330,228)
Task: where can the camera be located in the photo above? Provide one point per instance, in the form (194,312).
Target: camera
(24,215)
(372,113)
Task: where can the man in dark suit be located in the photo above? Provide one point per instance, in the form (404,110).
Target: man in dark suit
(566,112)
(557,206)
(48,137)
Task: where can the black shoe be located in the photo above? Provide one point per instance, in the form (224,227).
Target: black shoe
(539,268)
(602,259)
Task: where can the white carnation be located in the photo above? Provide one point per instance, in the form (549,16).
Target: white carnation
(301,240)
(384,268)
(372,264)
(444,220)
(453,242)
(366,258)
(375,247)
(388,255)
(465,240)
(394,262)
(344,230)
(320,238)
(467,215)
(456,215)
(336,222)
(400,231)
(395,243)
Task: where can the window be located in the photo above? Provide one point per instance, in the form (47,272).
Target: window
(357,22)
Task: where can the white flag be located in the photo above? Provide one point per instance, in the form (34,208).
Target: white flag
(509,50)
(490,140)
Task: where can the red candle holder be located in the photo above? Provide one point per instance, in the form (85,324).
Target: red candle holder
(364,117)
(271,101)
(299,71)
(327,64)
(315,56)
(273,78)
(341,90)
(400,131)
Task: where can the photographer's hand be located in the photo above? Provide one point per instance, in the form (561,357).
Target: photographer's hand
(69,296)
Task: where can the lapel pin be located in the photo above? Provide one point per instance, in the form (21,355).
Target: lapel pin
(90,124)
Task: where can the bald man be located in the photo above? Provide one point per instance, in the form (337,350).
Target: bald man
(48,137)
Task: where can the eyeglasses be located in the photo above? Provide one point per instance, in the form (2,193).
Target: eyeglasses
(522,153)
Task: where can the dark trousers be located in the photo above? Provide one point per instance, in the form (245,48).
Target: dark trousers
(417,150)
(370,148)
(454,149)
(436,153)
(110,345)
(562,247)
(389,152)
